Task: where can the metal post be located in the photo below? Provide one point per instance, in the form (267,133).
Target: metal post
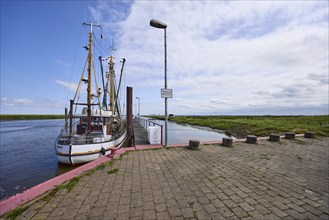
(71,116)
(66,124)
(166,105)
(158,24)
(129,95)
(139,105)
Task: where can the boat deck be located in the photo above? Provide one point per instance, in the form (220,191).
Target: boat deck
(140,134)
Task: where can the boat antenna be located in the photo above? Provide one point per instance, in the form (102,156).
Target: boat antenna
(112,46)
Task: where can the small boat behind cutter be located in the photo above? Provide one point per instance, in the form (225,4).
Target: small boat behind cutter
(93,128)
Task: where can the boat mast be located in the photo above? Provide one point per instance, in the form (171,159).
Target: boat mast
(90,56)
(111,84)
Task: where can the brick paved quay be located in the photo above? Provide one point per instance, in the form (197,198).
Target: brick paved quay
(285,180)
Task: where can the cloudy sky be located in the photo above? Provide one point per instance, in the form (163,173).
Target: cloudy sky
(224,57)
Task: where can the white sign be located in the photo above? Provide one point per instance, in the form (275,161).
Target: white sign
(166,93)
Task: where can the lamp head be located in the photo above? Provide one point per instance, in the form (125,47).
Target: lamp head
(158,24)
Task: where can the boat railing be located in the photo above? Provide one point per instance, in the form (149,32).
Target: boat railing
(146,122)
(94,137)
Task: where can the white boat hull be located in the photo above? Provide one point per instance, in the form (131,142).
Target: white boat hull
(83,153)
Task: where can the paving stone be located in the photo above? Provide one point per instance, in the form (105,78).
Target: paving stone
(295,214)
(163,215)
(271,216)
(90,200)
(203,200)
(183,203)
(136,212)
(278,212)
(97,212)
(312,209)
(187,212)
(112,206)
(236,198)
(251,201)
(136,203)
(210,208)
(58,212)
(124,209)
(216,215)
(245,206)
(174,212)
(202,215)
(296,207)
(240,212)
(101,203)
(256,215)
(280,205)
(225,212)
(122,216)
(197,207)
(211,196)
(148,205)
(262,209)
(312,203)
(86,208)
(217,203)
(230,203)
(324,217)
(41,215)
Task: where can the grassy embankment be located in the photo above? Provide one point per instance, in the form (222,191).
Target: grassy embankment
(30,117)
(240,126)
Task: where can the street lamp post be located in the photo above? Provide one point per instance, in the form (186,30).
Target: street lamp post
(139,105)
(158,24)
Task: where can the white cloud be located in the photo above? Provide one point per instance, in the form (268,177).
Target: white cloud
(15,101)
(62,63)
(224,55)
(71,86)
(35,106)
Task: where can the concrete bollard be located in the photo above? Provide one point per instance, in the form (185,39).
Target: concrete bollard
(227,142)
(193,144)
(251,139)
(309,134)
(289,135)
(274,138)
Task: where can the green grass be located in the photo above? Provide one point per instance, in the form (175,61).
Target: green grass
(30,117)
(16,212)
(115,170)
(240,126)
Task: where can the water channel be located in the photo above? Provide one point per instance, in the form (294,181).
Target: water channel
(181,134)
(27,155)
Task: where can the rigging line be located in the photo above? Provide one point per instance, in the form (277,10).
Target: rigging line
(82,74)
(74,62)
(93,61)
(98,41)
(95,47)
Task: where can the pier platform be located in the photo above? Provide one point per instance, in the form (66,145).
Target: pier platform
(140,134)
(267,180)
